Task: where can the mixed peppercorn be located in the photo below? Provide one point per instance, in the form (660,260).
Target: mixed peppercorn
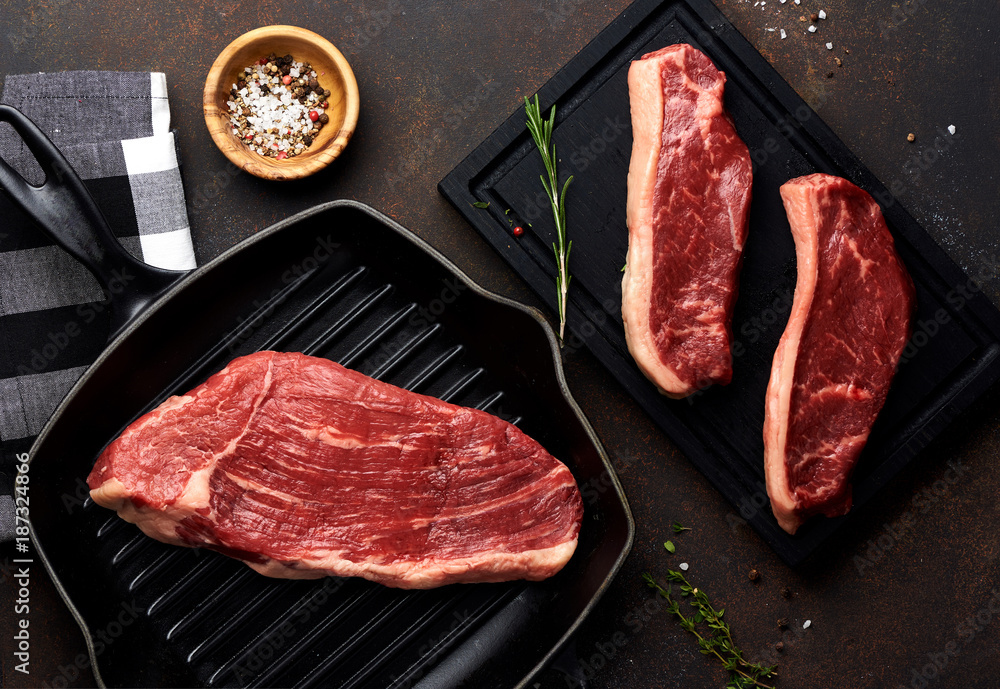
(277,106)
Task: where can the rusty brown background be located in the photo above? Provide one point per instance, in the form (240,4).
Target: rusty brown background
(912,67)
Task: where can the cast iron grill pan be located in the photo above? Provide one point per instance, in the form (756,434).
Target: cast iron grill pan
(720,429)
(342,282)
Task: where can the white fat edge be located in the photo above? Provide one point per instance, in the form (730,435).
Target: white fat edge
(783,368)
(431,572)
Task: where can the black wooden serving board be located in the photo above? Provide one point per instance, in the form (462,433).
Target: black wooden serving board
(952,357)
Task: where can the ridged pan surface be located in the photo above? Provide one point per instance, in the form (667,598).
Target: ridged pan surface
(345,283)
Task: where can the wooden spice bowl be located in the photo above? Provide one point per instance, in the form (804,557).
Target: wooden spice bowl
(333,73)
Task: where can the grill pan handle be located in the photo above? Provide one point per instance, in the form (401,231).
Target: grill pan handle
(66,211)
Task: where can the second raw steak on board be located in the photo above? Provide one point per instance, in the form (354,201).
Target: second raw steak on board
(835,361)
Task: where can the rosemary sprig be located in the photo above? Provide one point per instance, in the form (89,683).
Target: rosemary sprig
(719,641)
(541,132)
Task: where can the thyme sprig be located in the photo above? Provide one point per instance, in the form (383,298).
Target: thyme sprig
(541,132)
(719,641)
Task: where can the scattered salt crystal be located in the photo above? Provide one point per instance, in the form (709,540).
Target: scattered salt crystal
(783,34)
(798,2)
(293,73)
(812,29)
(951,129)
(683,566)
(822,14)
(806,624)
(829,46)
(783,1)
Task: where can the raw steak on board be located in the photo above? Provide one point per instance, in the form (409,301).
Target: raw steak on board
(832,369)
(687,210)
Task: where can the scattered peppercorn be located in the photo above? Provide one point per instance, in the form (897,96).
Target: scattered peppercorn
(754,575)
(779,647)
(838,61)
(786,593)
(911,137)
(829,75)
(814,17)
(518,230)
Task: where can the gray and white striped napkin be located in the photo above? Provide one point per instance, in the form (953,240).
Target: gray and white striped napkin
(114,129)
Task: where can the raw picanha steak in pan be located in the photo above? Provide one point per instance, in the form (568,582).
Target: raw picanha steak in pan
(687,211)
(302,468)
(835,361)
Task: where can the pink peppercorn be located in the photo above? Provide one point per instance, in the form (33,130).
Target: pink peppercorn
(281,155)
(313,115)
(286,80)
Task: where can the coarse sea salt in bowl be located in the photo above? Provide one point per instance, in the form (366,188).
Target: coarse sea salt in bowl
(333,73)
